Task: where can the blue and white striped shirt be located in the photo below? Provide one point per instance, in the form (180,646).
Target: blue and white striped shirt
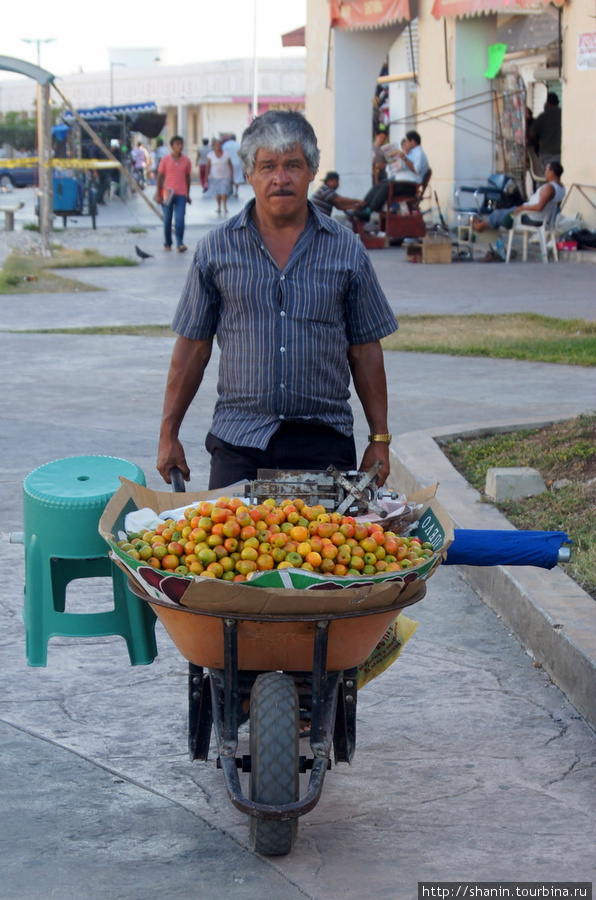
(283,335)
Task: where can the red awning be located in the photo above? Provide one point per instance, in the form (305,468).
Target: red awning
(455,8)
(368,13)
(294,38)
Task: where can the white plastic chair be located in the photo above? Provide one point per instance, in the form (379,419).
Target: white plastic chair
(544,233)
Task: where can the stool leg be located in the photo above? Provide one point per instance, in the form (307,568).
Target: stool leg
(36,634)
(140,618)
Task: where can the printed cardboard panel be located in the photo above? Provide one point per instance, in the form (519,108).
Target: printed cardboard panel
(278,592)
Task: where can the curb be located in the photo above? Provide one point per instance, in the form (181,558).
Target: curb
(551,616)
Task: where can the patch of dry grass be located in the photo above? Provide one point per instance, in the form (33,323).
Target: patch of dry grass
(30,273)
(565,455)
(523,336)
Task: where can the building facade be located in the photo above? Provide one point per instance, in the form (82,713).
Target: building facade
(200,100)
(462,73)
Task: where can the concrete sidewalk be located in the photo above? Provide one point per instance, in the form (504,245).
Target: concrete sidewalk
(470,763)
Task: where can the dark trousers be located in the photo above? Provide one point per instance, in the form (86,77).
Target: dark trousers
(295,446)
(377,195)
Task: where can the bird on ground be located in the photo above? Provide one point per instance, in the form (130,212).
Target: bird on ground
(141,253)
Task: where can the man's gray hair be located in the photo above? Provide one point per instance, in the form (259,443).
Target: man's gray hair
(279,131)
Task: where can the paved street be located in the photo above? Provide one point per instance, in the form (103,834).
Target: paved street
(470,764)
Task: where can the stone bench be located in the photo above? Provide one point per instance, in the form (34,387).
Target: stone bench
(9,212)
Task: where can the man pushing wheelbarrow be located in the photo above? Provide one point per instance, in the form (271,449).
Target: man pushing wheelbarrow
(296,307)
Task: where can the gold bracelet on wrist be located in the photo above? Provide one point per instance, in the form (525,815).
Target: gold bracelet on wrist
(381,438)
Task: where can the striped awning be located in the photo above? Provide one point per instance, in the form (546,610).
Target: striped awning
(362,14)
(109,113)
(457,8)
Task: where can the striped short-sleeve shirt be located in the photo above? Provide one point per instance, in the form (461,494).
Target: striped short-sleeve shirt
(283,335)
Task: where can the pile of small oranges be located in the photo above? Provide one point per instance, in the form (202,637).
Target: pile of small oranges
(229,540)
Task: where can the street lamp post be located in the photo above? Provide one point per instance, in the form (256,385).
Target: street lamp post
(38,42)
(112,64)
(255,64)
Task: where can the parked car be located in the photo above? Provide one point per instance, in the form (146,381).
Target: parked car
(20,176)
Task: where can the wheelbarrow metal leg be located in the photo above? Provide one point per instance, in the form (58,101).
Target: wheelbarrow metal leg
(344,735)
(324,695)
(200,716)
(224,693)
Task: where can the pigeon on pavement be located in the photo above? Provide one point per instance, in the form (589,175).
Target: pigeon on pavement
(141,253)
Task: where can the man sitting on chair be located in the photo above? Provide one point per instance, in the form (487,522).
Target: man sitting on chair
(539,205)
(407,180)
(326,197)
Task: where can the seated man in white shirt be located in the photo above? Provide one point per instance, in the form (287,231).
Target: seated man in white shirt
(538,206)
(415,167)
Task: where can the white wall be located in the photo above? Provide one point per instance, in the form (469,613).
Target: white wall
(223,118)
(474,154)
(359,56)
(400,96)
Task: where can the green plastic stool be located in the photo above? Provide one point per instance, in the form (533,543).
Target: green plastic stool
(63,502)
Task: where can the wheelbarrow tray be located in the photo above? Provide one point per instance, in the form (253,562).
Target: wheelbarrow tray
(277,642)
(263,594)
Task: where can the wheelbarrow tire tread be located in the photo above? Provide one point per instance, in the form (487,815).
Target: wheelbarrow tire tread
(274,748)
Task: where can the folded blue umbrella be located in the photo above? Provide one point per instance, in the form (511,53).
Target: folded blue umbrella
(505,548)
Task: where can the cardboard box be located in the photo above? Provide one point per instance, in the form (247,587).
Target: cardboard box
(277,592)
(436,249)
(414,253)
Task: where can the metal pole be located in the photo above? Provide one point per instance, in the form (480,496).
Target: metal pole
(255,66)
(44,146)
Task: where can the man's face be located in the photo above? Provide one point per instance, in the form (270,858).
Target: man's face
(280,182)
(333,183)
(177,147)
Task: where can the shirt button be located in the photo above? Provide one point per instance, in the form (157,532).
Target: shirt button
(283,278)
(282,386)
(281,417)
(282,313)
(282,349)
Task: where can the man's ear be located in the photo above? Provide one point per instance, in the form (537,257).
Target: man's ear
(313,174)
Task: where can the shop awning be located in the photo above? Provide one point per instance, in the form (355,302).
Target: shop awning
(456,8)
(110,113)
(359,14)
(296,38)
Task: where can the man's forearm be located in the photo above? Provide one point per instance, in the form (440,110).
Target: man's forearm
(189,361)
(347,203)
(368,371)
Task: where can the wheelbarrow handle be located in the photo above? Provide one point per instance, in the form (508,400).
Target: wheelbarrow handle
(177,481)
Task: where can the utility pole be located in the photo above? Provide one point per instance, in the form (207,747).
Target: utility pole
(38,42)
(255,66)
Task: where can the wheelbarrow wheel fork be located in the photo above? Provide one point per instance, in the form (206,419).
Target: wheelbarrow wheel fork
(317,690)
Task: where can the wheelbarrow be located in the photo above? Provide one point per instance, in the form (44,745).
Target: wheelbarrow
(275,672)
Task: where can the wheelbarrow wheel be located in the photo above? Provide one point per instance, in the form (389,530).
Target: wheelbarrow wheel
(274,742)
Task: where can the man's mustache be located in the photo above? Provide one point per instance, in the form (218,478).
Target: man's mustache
(282,193)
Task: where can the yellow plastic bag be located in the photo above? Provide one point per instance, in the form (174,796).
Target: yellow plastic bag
(387,650)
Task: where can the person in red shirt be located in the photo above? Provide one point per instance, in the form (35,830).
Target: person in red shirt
(173,192)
